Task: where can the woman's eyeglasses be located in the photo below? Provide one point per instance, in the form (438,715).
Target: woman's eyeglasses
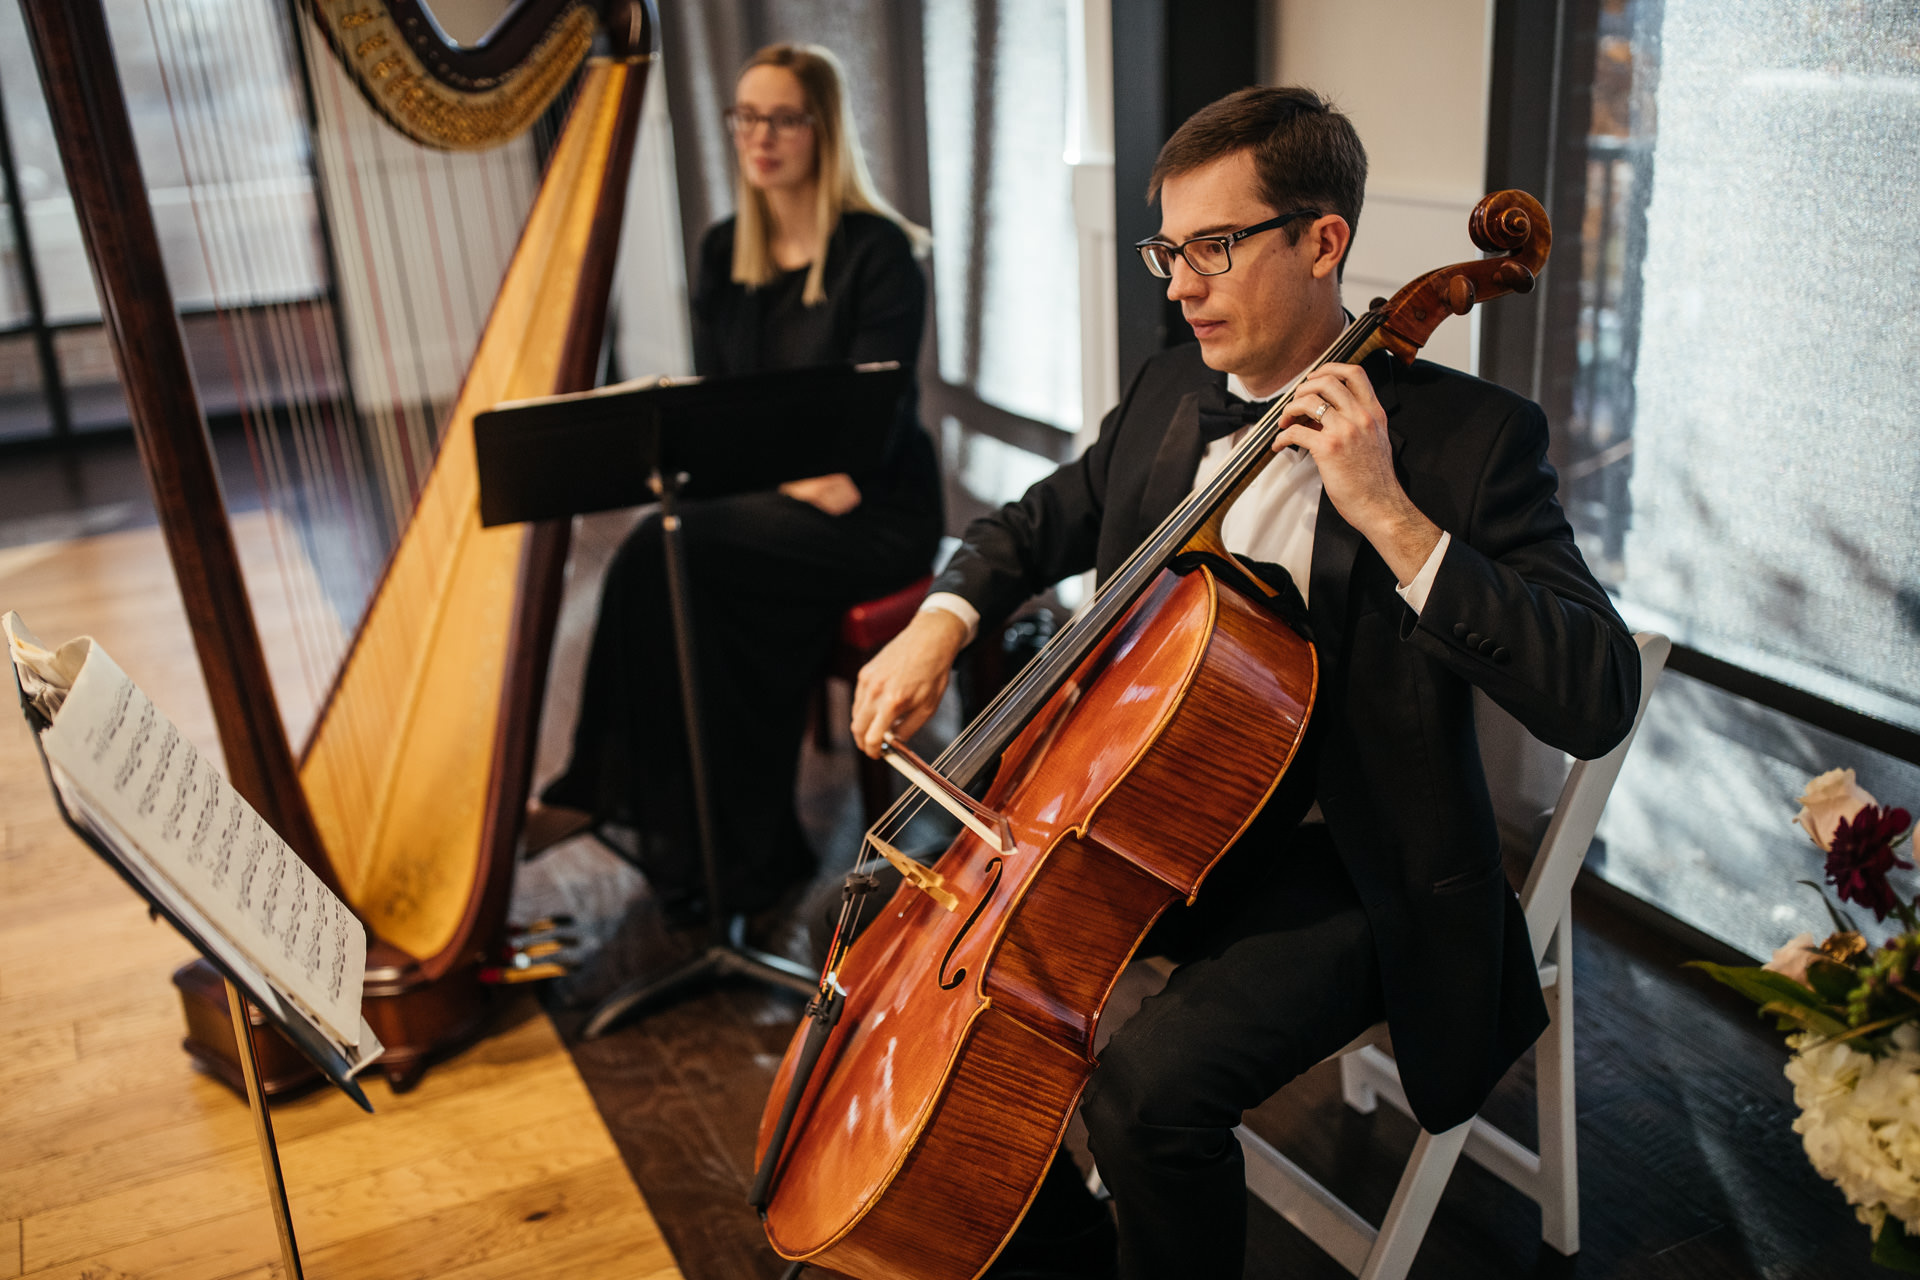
(746,123)
(1208,255)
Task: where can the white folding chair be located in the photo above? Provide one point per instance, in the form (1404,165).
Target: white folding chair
(1367,1073)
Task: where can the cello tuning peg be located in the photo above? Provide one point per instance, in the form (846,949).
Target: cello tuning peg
(1515,277)
(1459,295)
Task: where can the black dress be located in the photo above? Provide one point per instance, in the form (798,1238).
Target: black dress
(769,577)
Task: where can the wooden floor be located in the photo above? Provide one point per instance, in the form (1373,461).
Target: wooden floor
(1689,1166)
(118,1160)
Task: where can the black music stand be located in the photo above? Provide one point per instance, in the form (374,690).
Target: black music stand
(663,440)
(242,993)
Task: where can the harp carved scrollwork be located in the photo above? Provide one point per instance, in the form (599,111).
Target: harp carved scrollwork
(451,96)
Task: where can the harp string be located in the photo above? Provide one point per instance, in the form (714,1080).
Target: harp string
(247,315)
(408,211)
(389,415)
(340,438)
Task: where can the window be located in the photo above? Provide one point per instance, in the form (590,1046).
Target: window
(1005,252)
(1741,454)
(232,195)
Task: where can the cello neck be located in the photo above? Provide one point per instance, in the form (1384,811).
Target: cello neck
(996,727)
(1508,224)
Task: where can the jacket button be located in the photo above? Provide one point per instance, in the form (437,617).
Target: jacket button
(1501,655)
(1459,631)
(1473,640)
(1487,647)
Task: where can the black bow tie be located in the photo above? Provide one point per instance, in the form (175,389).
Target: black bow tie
(1222,413)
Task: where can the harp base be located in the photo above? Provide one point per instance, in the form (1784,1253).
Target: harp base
(284,1070)
(419,1022)
(422,1020)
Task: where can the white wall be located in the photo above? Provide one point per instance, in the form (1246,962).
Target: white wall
(1413,77)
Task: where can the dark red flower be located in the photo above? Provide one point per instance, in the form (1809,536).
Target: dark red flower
(1862,854)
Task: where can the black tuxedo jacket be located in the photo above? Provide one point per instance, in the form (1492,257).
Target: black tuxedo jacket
(1398,776)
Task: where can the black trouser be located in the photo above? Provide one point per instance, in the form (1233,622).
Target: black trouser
(1277,971)
(769,577)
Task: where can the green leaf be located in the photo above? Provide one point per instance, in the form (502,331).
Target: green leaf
(1832,981)
(1759,985)
(1800,1018)
(1777,993)
(1894,1249)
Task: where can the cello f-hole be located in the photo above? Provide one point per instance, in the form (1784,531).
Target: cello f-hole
(996,865)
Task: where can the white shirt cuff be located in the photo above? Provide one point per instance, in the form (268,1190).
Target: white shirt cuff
(1415,592)
(948,602)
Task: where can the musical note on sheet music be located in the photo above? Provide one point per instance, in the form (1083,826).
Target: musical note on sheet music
(131,767)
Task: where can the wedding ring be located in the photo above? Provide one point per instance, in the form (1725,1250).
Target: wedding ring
(1321,412)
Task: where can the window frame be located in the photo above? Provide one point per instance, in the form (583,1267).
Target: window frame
(1541,84)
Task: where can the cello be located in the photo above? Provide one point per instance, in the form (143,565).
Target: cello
(920,1104)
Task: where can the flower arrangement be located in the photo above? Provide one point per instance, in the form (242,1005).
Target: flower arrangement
(1853,1011)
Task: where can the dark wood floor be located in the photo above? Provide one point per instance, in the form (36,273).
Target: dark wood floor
(1689,1166)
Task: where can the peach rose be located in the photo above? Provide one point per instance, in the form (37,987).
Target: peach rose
(1830,797)
(1794,958)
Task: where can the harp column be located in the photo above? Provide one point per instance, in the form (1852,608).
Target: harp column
(74,55)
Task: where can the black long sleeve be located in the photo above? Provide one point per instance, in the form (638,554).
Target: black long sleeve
(874,309)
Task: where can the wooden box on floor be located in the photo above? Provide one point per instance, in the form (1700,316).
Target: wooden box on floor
(284,1070)
(449,1016)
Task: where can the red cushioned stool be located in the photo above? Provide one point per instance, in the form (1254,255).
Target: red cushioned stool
(864,631)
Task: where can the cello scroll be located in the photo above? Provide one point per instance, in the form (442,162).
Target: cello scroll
(1509,223)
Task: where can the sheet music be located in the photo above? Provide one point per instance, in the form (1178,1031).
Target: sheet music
(144,787)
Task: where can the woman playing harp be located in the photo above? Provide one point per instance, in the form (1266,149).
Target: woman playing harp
(815,267)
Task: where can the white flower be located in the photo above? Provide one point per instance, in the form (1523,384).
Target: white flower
(1794,958)
(1829,798)
(1860,1123)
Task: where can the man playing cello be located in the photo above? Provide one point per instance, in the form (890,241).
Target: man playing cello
(1415,511)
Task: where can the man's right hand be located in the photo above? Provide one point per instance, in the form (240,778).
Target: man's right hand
(903,684)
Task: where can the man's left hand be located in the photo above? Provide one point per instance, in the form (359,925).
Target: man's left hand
(1335,416)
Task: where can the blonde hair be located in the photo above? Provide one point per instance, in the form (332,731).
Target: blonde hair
(841,180)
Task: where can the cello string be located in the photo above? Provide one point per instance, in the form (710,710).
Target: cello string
(1065,650)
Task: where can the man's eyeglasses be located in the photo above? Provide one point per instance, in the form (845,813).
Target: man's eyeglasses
(745,123)
(1208,255)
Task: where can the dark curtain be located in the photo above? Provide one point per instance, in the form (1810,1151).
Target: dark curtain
(879,43)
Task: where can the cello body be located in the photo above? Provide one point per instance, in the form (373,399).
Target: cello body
(967,1036)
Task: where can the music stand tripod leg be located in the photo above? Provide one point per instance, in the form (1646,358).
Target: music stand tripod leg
(263,1130)
(727,954)
(680,609)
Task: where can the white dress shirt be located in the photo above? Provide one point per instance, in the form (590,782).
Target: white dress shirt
(1272,521)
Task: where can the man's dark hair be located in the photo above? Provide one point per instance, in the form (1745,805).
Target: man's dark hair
(1305,153)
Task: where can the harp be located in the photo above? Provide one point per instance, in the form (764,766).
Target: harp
(408,794)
